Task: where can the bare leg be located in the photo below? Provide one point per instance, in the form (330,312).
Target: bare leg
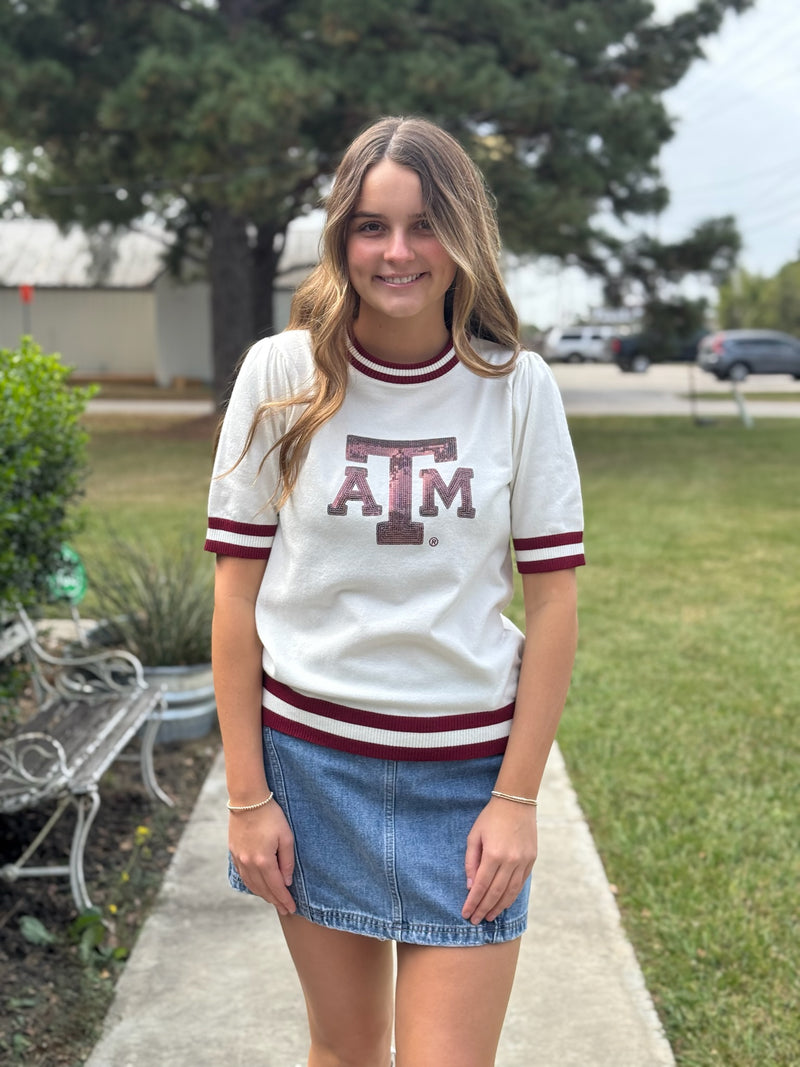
(347,983)
(451,1003)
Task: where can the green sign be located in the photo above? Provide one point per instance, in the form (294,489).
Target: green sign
(69,582)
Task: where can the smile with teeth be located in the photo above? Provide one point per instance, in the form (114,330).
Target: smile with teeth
(399,279)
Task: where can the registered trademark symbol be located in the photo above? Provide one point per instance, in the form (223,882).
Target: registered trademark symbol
(433,542)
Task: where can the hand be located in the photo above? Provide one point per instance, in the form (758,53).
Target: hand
(262,846)
(501,851)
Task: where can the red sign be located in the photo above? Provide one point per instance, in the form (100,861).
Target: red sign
(26,294)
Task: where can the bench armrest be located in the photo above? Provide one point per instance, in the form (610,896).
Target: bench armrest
(98,674)
(32,766)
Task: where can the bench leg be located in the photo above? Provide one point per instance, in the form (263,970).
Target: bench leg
(148,740)
(86,807)
(12,871)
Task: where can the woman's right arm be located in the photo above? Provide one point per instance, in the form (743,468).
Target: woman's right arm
(260,841)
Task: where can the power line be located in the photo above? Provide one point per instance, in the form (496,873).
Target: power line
(776,45)
(765,195)
(743,179)
(745,43)
(779,220)
(749,96)
(785,216)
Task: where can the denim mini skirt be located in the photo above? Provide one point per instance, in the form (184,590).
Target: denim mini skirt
(380,844)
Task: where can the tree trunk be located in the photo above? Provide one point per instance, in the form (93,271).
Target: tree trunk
(264,267)
(230,272)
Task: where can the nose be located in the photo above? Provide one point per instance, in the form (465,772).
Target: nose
(398,248)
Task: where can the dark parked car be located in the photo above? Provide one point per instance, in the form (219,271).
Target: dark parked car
(733,354)
(636,351)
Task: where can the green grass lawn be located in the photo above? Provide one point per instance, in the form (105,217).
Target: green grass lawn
(790,397)
(680,734)
(148,482)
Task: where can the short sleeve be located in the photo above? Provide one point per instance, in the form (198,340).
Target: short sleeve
(546,506)
(242,520)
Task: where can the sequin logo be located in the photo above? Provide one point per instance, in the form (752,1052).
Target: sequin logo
(399,528)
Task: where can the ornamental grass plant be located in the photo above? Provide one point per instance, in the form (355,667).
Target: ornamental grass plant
(143,539)
(154,598)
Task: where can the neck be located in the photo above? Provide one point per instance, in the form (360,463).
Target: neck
(400,342)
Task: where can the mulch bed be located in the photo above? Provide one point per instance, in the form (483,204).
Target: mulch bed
(57,981)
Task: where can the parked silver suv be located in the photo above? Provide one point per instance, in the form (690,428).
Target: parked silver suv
(578,344)
(733,354)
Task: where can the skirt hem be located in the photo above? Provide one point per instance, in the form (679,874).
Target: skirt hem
(486,933)
(466,936)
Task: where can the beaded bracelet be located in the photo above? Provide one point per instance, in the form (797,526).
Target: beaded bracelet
(250,807)
(517,800)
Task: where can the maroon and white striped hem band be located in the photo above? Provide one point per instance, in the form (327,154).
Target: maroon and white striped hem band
(396,737)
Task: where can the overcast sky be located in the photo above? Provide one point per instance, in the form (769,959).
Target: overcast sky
(737,146)
(736,151)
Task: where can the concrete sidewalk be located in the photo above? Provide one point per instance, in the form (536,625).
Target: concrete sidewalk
(210,981)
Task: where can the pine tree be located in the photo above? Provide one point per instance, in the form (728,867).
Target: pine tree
(226,118)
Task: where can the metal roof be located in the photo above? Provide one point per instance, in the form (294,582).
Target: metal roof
(36,252)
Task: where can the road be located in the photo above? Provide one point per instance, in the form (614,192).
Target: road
(599,389)
(670,389)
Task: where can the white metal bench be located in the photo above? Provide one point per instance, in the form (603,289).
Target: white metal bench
(89,708)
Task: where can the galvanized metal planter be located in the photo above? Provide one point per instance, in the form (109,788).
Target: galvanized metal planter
(191,707)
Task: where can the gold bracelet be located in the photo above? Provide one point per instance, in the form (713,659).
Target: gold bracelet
(250,807)
(517,800)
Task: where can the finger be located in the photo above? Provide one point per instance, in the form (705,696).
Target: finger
(286,860)
(263,877)
(512,891)
(516,882)
(484,877)
(281,897)
(472,859)
(275,881)
(491,899)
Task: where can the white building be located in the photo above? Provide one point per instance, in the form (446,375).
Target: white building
(108,306)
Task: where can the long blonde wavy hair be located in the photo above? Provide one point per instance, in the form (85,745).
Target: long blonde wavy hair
(460,213)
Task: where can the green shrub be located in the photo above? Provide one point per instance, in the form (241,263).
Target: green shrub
(42,467)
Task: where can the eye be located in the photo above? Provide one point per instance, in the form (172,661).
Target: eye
(424,224)
(369,226)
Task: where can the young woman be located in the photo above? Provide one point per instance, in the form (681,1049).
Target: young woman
(385,726)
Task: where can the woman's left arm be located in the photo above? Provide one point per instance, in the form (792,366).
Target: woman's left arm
(501,847)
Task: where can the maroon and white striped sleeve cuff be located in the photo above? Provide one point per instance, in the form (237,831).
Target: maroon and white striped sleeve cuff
(554,552)
(248,540)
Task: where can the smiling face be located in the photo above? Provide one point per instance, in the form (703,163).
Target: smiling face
(396,263)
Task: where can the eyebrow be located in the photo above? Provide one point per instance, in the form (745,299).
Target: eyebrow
(378,215)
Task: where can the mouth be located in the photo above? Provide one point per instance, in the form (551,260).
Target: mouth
(399,279)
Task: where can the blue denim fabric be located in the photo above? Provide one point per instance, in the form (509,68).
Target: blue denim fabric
(380,843)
